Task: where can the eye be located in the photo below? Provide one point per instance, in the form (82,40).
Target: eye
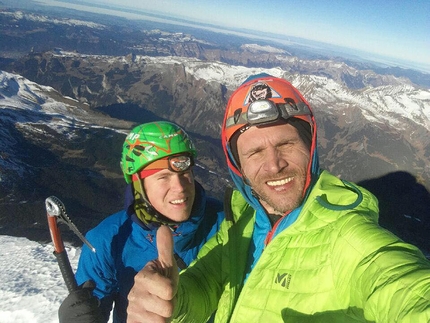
(254,153)
(162,176)
(286,144)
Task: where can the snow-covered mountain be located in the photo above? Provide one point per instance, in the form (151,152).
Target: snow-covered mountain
(19,15)
(55,145)
(71,90)
(364,134)
(188,90)
(36,110)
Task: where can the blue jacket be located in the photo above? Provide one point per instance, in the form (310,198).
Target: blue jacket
(124,245)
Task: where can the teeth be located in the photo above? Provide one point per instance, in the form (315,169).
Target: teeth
(178,201)
(280,182)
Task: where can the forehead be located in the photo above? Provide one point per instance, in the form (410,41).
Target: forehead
(272,134)
(162,172)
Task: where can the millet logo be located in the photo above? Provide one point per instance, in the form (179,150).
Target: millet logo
(283,279)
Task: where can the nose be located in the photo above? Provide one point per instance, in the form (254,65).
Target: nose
(274,161)
(179,182)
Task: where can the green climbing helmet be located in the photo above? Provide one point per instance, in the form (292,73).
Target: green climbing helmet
(151,141)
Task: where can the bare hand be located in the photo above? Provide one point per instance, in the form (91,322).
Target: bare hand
(152,297)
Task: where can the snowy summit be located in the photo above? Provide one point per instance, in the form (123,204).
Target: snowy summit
(31,285)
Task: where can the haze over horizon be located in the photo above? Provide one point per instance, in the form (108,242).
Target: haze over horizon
(391,32)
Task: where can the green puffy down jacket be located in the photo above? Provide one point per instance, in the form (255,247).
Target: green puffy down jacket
(334,264)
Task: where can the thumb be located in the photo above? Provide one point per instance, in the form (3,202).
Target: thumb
(165,249)
(89,284)
(166,260)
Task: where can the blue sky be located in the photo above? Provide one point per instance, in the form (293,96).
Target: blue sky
(399,29)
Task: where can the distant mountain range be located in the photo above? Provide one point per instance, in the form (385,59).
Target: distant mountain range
(71,89)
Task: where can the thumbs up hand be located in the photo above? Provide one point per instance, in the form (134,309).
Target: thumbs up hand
(151,299)
(166,259)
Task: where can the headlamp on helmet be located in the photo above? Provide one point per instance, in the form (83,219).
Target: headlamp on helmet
(156,142)
(177,163)
(265,111)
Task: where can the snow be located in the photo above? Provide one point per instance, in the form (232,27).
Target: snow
(28,105)
(267,49)
(31,285)
(19,15)
(222,73)
(20,93)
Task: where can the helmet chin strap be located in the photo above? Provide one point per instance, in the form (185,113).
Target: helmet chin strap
(143,195)
(246,181)
(144,209)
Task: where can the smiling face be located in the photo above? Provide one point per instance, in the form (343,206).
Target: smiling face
(274,160)
(171,194)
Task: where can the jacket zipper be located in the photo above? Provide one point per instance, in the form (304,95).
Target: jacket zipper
(271,233)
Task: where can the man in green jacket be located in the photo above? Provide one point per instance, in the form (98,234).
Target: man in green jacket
(298,244)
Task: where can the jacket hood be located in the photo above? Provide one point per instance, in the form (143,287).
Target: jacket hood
(276,90)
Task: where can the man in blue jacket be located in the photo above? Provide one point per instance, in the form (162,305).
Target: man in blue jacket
(157,162)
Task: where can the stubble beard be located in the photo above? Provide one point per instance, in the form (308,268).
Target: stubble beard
(281,203)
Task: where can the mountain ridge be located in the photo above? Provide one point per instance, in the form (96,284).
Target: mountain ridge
(91,83)
(187,90)
(63,140)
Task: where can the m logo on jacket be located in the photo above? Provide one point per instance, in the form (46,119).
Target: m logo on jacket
(284,279)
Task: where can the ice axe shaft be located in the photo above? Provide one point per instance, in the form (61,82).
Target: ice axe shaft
(56,212)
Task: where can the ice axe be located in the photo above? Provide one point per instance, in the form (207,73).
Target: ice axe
(56,213)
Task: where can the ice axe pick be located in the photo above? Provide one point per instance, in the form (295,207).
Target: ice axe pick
(56,213)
